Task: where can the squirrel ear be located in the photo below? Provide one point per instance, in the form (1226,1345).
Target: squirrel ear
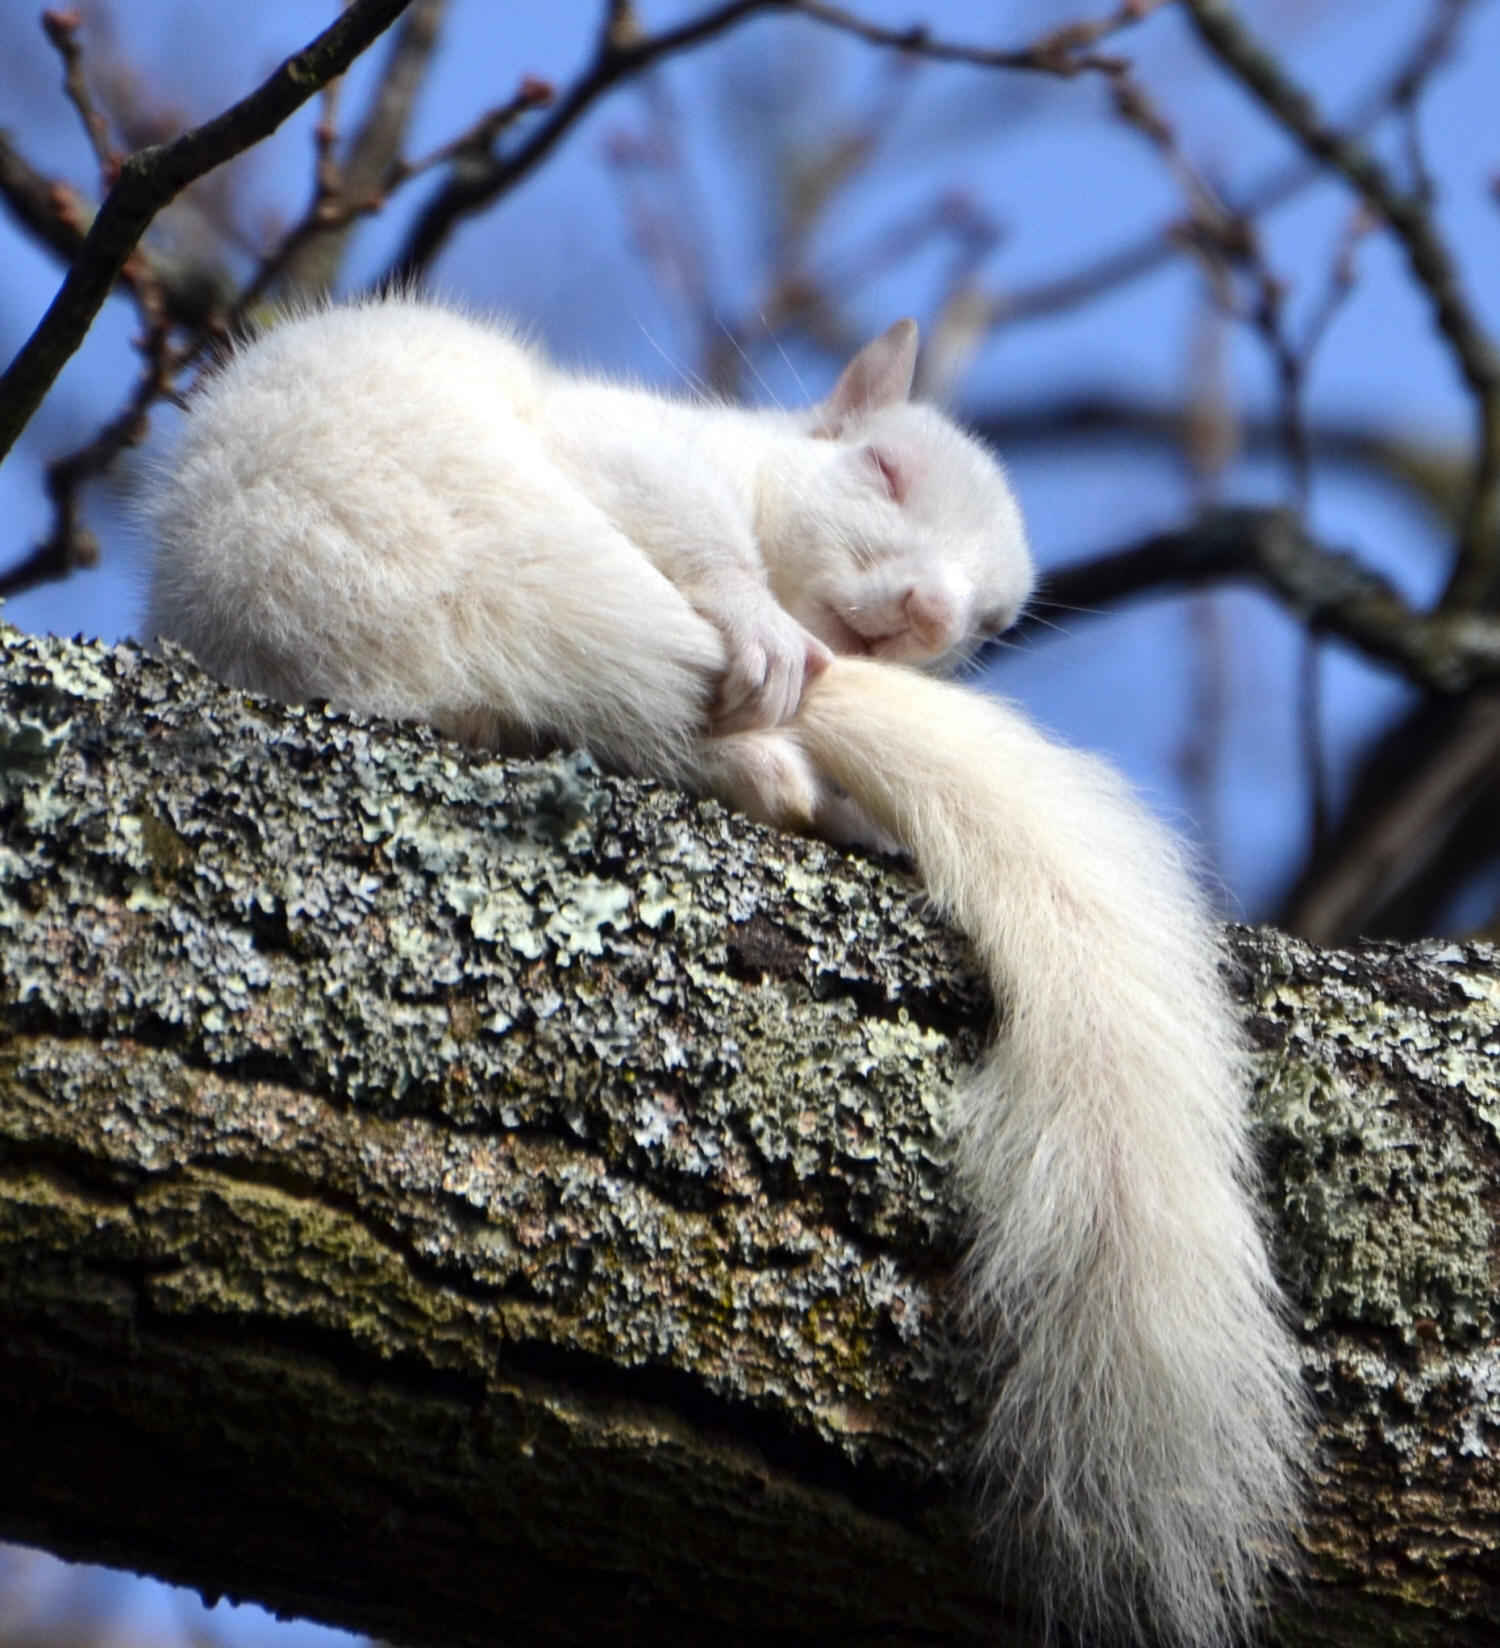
(879,375)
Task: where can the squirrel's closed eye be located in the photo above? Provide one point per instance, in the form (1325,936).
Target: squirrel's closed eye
(891,478)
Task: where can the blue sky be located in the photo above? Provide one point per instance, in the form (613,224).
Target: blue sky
(1063,183)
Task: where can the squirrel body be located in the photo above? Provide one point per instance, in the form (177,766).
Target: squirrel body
(410,512)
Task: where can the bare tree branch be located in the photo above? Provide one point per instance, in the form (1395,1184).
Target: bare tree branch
(622,51)
(1432,473)
(1062,51)
(150,178)
(45,207)
(57,216)
(71,545)
(1143,256)
(61,28)
(619,53)
(364,169)
(1327,590)
(1404,835)
(1476,576)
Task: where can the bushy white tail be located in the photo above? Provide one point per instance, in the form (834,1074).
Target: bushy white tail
(1140,1454)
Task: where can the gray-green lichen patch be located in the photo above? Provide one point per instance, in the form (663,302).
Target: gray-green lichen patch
(627,1075)
(1378,1090)
(1389,1205)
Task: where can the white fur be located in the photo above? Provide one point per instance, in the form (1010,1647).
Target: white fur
(1147,1414)
(406,511)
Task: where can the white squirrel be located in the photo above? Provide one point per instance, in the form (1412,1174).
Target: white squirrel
(406,511)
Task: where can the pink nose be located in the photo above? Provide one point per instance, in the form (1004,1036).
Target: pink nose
(933,617)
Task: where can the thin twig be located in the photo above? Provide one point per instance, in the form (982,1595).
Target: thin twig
(1310,730)
(1199,757)
(1228,243)
(354,184)
(61,28)
(477,141)
(619,52)
(327,215)
(150,178)
(1475,582)
(47,208)
(622,50)
(1294,361)
(71,545)
(1407,95)
(1238,243)
(54,214)
(1059,294)
(1063,51)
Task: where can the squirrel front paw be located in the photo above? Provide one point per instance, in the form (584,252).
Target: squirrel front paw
(770,661)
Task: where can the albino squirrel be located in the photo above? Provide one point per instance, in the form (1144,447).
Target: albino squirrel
(406,511)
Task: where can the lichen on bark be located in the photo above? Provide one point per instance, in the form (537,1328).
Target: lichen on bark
(481,1200)
(1378,1101)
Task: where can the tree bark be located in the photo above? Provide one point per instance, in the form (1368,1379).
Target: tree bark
(476,1201)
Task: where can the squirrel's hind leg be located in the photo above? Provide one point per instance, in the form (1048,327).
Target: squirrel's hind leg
(765,775)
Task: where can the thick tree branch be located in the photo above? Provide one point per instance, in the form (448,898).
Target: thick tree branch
(150,178)
(1327,590)
(477,1201)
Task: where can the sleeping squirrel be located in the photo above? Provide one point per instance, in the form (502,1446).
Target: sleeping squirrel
(407,511)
